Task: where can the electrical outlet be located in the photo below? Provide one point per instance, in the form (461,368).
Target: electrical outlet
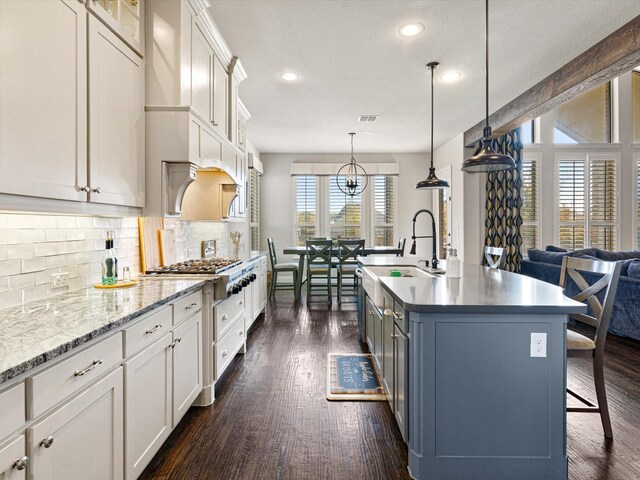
(59,280)
(538,344)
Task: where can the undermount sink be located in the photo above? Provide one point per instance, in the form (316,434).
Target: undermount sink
(371,279)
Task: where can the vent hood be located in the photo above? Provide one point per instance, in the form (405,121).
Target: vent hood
(198,193)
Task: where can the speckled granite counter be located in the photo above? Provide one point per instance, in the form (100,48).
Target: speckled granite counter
(37,332)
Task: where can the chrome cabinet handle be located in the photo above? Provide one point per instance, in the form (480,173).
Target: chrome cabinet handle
(79,373)
(96,190)
(387,312)
(84,189)
(189,307)
(21,463)
(398,316)
(159,325)
(46,442)
(225,353)
(175,342)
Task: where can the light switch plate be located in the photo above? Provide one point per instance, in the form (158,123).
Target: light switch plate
(538,344)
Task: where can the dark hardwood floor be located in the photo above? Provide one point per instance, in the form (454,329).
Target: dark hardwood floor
(271,420)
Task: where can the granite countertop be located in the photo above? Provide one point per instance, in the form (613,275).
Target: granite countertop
(37,332)
(480,290)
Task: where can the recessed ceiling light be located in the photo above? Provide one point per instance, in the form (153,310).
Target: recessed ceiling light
(289,76)
(411,29)
(450,76)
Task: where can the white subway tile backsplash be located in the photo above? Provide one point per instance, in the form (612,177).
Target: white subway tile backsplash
(33,265)
(31,221)
(3,252)
(32,235)
(4,284)
(22,281)
(55,261)
(66,221)
(10,298)
(9,267)
(56,234)
(3,221)
(9,236)
(30,294)
(19,251)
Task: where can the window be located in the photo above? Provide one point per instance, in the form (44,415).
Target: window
(529,209)
(345,213)
(635,82)
(527,132)
(306,208)
(254,205)
(585,118)
(383,210)
(587,202)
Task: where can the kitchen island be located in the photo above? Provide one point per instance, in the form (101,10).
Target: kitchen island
(475,370)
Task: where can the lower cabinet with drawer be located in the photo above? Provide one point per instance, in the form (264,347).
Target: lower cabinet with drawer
(14,459)
(230,331)
(81,439)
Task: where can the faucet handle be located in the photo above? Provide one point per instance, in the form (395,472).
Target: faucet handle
(426,262)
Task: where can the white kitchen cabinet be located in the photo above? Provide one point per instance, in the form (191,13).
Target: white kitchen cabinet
(148,406)
(233,110)
(124,17)
(43,98)
(220,97)
(201,74)
(83,438)
(14,460)
(187,365)
(116,125)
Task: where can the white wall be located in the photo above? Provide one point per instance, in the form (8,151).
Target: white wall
(277,196)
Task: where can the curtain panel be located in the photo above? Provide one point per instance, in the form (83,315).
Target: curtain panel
(503,216)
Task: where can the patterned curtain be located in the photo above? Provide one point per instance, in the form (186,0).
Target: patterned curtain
(503,217)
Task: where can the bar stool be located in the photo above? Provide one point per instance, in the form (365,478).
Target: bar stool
(280,268)
(401,243)
(348,251)
(319,255)
(581,346)
(494,256)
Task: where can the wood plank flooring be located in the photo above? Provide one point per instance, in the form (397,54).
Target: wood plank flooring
(271,420)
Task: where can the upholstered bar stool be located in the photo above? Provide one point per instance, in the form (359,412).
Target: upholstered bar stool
(277,268)
(348,251)
(581,346)
(494,256)
(319,256)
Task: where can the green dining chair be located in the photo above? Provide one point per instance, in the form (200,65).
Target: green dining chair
(319,255)
(277,268)
(348,251)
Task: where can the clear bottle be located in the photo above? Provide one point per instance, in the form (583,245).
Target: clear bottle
(453,264)
(109,263)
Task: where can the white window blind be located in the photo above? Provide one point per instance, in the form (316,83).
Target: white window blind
(345,213)
(306,208)
(383,210)
(254,206)
(587,203)
(529,209)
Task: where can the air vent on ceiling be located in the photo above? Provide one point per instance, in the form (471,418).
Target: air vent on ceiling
(368,118)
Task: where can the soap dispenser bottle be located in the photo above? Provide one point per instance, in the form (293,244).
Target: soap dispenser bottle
(109,263)
(453,264)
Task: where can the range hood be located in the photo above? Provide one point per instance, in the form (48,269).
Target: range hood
(194,193)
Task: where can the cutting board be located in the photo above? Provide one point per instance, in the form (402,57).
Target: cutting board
(149,232)
(167,246)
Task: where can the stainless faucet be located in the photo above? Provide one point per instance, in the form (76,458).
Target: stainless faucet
(434,260)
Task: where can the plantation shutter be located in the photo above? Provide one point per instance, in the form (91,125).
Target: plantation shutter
(571,204)
(254,205)
(602,203)
(529,210)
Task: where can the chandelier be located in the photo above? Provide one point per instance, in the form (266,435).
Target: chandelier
(348,178)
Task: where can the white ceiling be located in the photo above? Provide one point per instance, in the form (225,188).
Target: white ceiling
(352,61)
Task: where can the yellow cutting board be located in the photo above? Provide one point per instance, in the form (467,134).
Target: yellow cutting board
(167,247)
(131,283)
(149,233)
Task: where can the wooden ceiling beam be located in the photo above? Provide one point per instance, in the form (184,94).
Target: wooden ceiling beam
(616,54)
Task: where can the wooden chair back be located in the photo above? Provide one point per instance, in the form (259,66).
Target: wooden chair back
(348,250)
(401,244)
(319,252)
(571,268)
(494,256)
(272,253)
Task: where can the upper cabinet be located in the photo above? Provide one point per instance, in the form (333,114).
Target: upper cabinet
(59,62)
(220,97)
(202,74)
(124,17)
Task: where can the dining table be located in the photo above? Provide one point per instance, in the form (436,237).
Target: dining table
(301,251)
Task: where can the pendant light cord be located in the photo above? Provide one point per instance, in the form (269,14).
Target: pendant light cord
(352,159)
(432,69)
(486,60)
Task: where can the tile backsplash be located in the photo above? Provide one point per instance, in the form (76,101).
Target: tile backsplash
(33,247)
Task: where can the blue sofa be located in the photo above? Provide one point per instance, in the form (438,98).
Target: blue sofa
(625,320)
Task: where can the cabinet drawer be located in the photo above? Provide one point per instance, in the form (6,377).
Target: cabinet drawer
(227,348)
(12,410)
(9,454)
(186,307)
(227,313)
(147,331)
(51,386)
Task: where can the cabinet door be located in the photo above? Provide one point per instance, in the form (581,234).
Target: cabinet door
(201,74)
(220,97)
(257,305)
(147,405)
(369,327)
(187,365)
(400,374)
(116,127)
(12,460)
(378,344)
(43,98)
(84,436)
(233,110)
(388,358)
(123,17)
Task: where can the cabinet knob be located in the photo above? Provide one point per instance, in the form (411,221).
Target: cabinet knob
(96,190)
(22,463)
(241,332)
(175,342)
(224,317)
(84,189)
(47,442)
(214,123)
(241,302)
(79,373)
(387,312)
(398,316)
(225,353)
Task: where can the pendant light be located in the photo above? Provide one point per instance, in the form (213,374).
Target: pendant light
(350,172)
(432,182)
(486,159)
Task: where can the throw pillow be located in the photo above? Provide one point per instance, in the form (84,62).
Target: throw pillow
(553,248)
(554,258)
(633,270)
(615,256)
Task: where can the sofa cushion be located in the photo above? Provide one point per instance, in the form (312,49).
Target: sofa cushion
(615,256)
(554,258)
(553,248)
(633,269)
